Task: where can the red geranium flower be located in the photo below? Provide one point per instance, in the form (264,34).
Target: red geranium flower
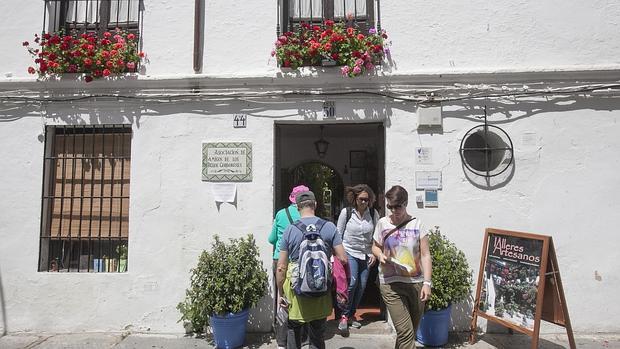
(312,45)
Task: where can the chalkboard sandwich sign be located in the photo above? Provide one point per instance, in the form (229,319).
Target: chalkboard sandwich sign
(519,284)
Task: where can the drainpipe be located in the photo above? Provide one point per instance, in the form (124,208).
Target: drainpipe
(198,11)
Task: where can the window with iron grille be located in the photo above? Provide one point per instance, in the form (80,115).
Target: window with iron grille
(360,13)
(85,200)
(92,15)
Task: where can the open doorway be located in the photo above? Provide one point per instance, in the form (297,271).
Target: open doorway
(354,154)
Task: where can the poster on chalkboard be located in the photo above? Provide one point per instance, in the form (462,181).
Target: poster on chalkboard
(510,279)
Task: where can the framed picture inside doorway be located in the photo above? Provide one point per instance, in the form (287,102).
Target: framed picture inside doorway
(358,175)
(357,158)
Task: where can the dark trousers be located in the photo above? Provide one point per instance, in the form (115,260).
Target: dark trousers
(315,330)
(280,329)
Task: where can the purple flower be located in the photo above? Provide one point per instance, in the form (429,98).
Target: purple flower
(357,70)
(386,50)
(372,31)
(345,70)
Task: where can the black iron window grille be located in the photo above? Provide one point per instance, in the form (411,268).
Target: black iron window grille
(95,16)
(85,199)
(358,13)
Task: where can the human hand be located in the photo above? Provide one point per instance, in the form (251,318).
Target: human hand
(383,258)
(283,303)
(372,260)
(425,293)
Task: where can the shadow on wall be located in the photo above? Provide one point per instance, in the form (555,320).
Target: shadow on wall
(2,308)
(523,108)
(513,111)
(461,314)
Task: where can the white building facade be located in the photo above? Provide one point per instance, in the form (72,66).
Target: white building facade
(546,73)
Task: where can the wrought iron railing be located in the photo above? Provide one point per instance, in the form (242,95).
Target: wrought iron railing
(92,15)
(363,14)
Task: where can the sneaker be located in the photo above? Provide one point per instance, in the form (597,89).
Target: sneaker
(343,325)
(355,324)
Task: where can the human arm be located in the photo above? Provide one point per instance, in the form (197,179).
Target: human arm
(341,254)
(377,251)
(427,267)
(377,248)
(273,236)
(371,256)
(342,222)
(281,275)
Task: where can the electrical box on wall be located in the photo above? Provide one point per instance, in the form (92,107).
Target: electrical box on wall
(430,116)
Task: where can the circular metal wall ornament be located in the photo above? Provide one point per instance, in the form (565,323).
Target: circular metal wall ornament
(486,150)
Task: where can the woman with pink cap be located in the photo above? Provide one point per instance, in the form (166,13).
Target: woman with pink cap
(284,218)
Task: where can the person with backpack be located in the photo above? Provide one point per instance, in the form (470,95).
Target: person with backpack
(401,247)
(356,224)
(304,273)
(283,219)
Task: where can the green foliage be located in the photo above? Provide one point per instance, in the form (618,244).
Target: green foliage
(228,278)
(452,277)
(121,250)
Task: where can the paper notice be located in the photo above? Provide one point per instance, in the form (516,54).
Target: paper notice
(224,192)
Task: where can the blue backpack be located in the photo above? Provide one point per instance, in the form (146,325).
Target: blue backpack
(314,277)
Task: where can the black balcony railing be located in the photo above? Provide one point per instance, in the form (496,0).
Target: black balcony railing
(358,13)
(92,15)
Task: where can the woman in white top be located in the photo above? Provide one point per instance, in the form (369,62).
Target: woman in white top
(357,224)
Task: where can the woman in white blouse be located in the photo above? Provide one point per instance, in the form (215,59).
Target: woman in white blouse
(356,223)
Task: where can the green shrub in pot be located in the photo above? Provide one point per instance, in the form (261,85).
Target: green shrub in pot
(452,277)
(227,279)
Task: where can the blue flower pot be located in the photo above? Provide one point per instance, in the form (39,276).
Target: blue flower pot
(229,330)
(434,327)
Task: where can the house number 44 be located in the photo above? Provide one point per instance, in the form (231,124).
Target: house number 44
(240,120)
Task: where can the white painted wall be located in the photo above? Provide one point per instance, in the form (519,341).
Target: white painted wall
(449,37)
(565,186)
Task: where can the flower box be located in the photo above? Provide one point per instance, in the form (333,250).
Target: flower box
(331,44)
(115,53)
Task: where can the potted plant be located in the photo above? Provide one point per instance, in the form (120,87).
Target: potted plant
(452,283)
(59,53)
(331,44)
(228,280)
(121,250)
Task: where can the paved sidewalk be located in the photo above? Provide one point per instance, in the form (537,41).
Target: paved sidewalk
(374,335)
(262,341)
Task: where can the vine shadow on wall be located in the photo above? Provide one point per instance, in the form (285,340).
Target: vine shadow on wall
(516,110)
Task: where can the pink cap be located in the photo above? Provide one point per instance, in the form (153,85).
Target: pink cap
(298,189)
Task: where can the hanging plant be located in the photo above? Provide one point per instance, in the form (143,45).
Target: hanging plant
(331,44)
(114,53)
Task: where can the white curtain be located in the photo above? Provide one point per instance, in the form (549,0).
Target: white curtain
(81,11)
(306,8)
(355,8)
(127,11)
